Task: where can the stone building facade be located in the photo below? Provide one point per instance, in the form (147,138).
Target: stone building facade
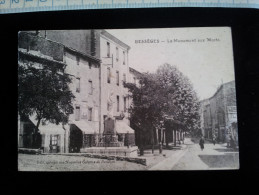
(219,117)
(98,64)
(39,52)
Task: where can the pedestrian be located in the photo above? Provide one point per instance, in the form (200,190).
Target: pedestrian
(232,143)
(214,140)
(202,143)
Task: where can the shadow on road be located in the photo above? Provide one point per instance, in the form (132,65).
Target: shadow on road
(221,161)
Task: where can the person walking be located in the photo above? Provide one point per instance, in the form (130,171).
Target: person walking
(202,143)
(214,140)
(232,143)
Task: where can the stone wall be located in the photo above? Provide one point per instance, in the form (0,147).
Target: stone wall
(30,41)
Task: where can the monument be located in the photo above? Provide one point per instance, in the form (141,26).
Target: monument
(109,137)
(108,143)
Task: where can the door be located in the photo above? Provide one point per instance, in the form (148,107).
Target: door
(54,148)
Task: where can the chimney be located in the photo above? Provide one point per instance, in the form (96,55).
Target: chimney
(93,43)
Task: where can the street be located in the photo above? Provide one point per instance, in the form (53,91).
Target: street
(187,157)
(216,156)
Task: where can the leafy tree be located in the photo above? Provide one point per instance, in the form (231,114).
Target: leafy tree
(181,100)
(166,92)
(145,110)
(43,89)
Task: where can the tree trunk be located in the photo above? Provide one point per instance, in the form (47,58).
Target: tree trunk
(183,136)
(35,135)
(174,137)
(163,136)
(159,135)
(38,124)
(166,138)
(141,148)
(152,140)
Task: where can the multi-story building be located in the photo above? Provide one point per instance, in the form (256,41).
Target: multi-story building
(114,72)
(98,64)
(219,113)
(39,52)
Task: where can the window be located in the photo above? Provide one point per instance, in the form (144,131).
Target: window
(123,57)
(90,113)
(124,78)
(53,140)
(90,84)
(117,78)
(108,75)
(90,65)
(77,60)
(118,103)
(77,114)
(125,101)
(108,49)
(78,85)
(117,54)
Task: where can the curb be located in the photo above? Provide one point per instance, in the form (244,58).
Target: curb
(108,157)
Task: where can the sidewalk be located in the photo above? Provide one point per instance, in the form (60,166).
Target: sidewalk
(167,160)
(213,157)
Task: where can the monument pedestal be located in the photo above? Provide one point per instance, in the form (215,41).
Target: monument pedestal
(109,138)
(110,141)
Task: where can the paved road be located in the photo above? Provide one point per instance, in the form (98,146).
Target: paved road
(212,157)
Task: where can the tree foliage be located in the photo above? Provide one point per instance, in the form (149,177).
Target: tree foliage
(44,90)
(181,101)
(166,92)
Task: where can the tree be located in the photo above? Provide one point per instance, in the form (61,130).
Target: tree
(181,100)
(165,93)
(145,110)
(43,89)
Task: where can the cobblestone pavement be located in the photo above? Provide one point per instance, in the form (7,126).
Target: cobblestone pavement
(212,157)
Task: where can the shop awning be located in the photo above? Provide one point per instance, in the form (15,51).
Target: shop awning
(122,127)
(85,126)
(48,128)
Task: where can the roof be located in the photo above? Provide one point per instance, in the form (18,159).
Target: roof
(134,71)
(66,47)
(219,88)
(122,127)
(82,54)
(116,40)
(39,57)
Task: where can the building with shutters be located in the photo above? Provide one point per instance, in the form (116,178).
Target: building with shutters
(98,64)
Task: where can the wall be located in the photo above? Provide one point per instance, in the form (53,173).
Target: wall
(215,114)
(83,98)
(79,40)
(106,88)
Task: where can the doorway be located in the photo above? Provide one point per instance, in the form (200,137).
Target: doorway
(76,139)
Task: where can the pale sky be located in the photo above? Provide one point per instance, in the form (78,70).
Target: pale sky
(206,63)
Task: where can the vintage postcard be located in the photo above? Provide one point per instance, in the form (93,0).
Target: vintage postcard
(127,99)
